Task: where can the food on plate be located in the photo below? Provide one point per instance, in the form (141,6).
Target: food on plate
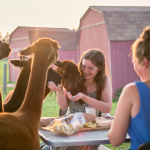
(68,124)
(90,125)
(100,121)
(67,129)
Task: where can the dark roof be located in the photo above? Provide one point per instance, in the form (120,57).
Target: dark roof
(124,22)
(66,38)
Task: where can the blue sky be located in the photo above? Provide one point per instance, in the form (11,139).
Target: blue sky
(51,13)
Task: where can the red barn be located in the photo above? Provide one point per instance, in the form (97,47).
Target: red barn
(113,29)
(22,37)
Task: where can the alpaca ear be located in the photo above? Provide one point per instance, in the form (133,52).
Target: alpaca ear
(26,51)
(20,63)
(58,64)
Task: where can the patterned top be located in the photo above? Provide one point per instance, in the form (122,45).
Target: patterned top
(77,107)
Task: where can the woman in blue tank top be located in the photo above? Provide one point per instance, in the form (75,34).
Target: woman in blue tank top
(132,114)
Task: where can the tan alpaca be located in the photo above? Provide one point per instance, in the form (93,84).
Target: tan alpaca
(19,130)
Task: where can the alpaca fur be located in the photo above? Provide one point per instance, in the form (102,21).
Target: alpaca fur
(69,72)
(19,130)
(5,51)
(15,97)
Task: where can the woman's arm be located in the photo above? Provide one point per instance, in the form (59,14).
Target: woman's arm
(119,126)
(61,98)
(103,106)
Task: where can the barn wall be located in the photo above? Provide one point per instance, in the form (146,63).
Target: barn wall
(92,17)
(18,40)
(121,64)
(67,55)
(93,34)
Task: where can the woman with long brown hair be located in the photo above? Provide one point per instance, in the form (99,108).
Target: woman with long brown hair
(94,88)
(93,85)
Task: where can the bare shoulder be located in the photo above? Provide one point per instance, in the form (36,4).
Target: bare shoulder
(130,91)
(107,79)
(131,87)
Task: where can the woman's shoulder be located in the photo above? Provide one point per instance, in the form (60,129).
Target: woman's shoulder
(130,90)
(130,86)
(107,80)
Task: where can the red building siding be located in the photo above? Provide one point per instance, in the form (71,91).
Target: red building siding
(67,55)
(94,36)
(121,64)
(92,17)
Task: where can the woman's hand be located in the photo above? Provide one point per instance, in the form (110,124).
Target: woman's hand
(52,86)
(75,97)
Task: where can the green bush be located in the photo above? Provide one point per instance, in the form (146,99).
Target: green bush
(117,94)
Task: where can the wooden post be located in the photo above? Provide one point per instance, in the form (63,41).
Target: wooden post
(4,78)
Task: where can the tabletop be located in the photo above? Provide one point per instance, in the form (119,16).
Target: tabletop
(78,139)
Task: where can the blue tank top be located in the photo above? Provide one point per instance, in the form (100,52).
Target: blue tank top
(139,128)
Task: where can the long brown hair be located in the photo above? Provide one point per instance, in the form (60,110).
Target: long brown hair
(98,59)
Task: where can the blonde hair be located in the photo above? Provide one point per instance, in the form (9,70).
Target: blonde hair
(141,47)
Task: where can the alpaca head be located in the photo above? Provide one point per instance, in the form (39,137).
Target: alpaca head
(53,76)
(43,47)
(4,50)
(26,65)
(69,72)
(21,63)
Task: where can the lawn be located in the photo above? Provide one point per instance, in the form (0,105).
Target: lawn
(51,108)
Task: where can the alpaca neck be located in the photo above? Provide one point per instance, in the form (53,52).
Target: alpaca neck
(35,91)
(19,92)
(47,91)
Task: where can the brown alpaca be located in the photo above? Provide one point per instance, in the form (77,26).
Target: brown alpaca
(19,130)
(69,72)
(5,51)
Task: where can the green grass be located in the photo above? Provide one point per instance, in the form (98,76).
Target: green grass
(51,109)
(2,62)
